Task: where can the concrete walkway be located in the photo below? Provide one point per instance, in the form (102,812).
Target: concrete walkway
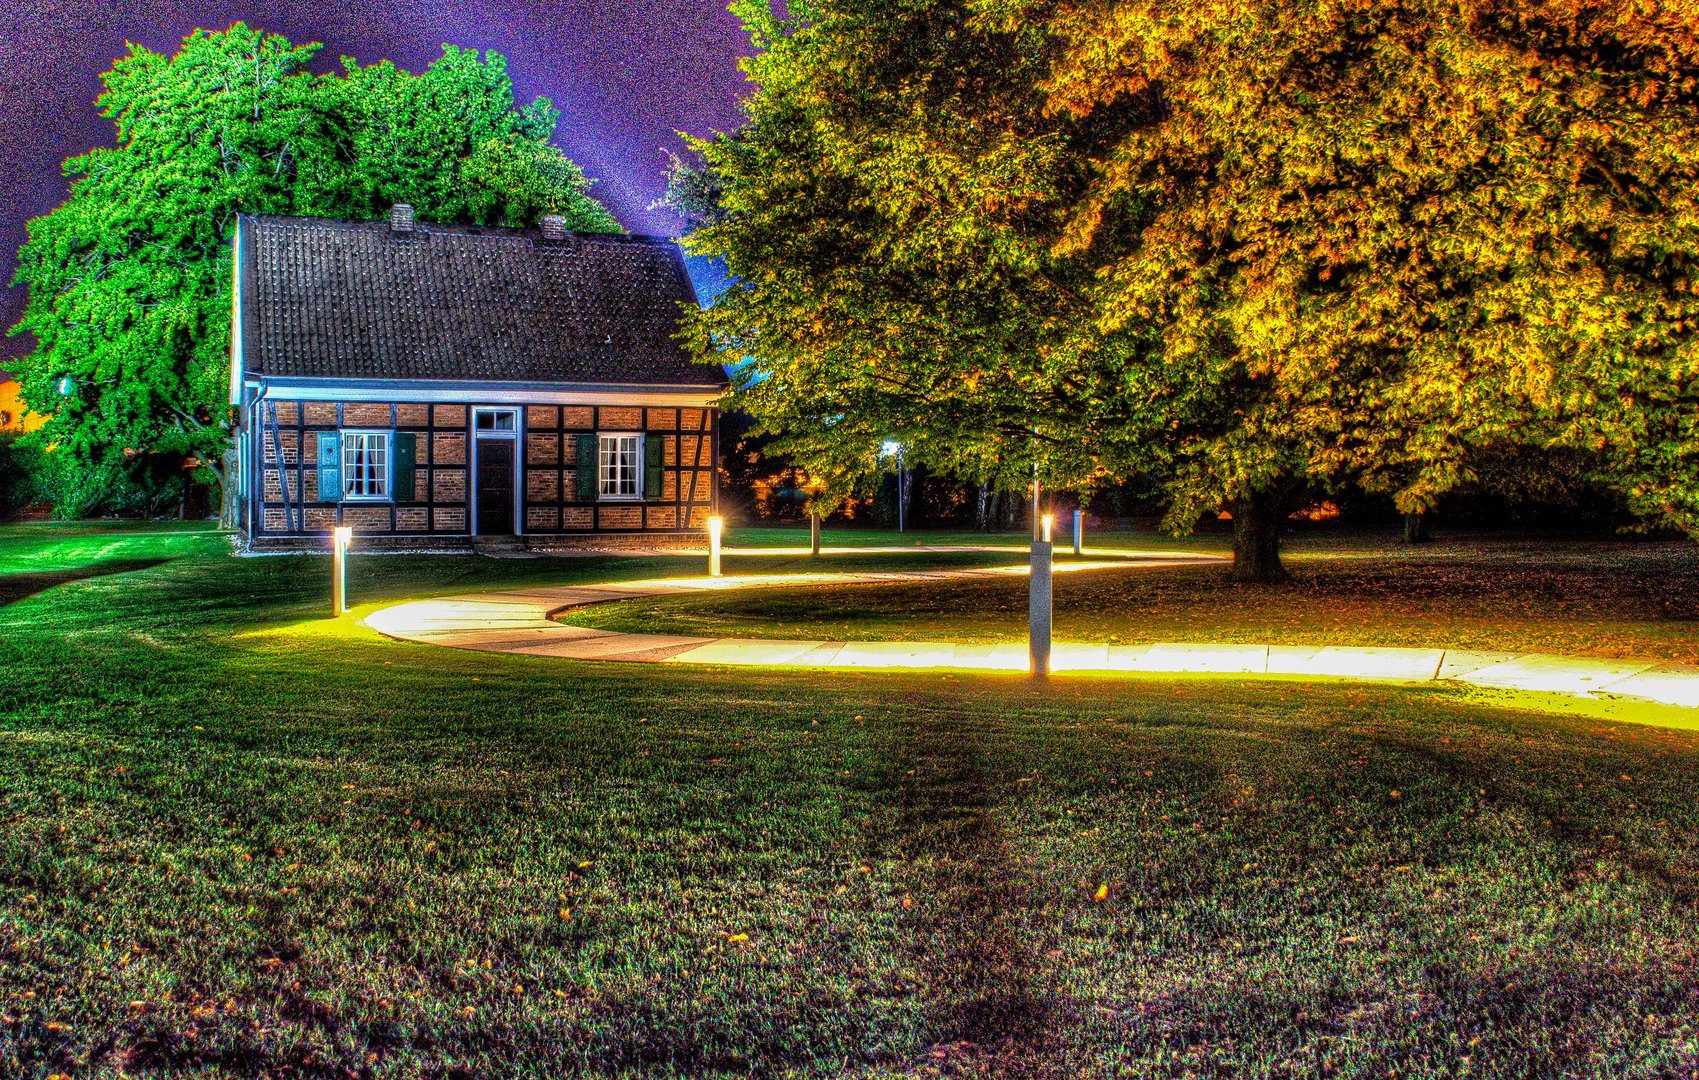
(521,621)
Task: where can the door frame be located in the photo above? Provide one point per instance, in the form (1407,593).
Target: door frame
(512,436)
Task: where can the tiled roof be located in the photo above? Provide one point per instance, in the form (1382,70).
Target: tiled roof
(357,300)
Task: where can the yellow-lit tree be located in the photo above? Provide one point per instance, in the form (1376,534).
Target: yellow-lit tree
(1387,234)
(1257,248)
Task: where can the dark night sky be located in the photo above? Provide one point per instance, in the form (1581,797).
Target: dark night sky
(625,77)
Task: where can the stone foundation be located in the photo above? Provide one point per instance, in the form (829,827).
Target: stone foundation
(390,543)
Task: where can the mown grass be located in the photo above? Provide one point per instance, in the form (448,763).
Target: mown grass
(1590,598)
(240,840)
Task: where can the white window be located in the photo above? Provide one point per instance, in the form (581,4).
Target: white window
(365,464)
(618,462)
(496,420)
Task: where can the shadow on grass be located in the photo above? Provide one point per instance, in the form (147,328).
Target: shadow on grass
(15,587)
(984,1016)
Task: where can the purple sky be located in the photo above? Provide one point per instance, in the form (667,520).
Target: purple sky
(625,77)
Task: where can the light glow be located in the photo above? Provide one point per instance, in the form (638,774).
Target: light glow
(1049,525)
(340,537)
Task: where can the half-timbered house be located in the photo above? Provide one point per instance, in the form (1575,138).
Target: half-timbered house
(438,386)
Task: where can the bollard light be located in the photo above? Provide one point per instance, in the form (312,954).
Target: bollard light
(1049,526)
(340,537)
(1038,610)
(716,525)
(1079,533)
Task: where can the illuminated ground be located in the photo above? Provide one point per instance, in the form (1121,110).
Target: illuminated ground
(242,840)
(1606,600)
(562,622)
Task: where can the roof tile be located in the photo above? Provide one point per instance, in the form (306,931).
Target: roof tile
(356,300)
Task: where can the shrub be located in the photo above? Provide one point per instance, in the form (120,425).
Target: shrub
(74,488)
(18,463)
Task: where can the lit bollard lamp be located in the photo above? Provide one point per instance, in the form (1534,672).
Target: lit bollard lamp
(716,525)
(1079,532)
(1038,606)
(340,537)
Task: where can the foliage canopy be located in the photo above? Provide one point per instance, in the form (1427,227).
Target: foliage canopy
(129,279)
(1254,247)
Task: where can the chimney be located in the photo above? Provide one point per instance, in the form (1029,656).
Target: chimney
(401,218)
(554,226)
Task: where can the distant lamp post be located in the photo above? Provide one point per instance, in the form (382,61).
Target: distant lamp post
(716,525)
(895,449)
(65,386)
(1079,532)
(1036,504)
(340,537)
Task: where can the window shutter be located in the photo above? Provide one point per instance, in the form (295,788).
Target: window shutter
(330,466)
(402,456)
(587,479)
(653,447)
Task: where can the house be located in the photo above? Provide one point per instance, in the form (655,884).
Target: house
(14,417)
(436,386)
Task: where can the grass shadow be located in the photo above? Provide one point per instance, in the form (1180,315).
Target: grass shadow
(940,825)
(15,587)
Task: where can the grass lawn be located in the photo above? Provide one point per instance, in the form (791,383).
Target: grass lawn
(1607,599)
(240,840)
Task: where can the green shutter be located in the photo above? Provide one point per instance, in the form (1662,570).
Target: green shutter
(587,486)
(330,466)
(653,447)
(403,455)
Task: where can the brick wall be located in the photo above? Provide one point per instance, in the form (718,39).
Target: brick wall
(286,440)
(552,498)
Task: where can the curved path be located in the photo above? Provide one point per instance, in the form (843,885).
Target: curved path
(522,621)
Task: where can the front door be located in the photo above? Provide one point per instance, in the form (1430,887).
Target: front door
(495,487)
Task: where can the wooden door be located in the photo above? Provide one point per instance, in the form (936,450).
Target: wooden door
(495,487)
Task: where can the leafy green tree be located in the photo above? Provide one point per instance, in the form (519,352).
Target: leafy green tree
(1258,249)
(129,279)
(885,214)
(694,191)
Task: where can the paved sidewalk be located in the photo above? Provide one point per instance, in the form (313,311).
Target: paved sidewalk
(521,621)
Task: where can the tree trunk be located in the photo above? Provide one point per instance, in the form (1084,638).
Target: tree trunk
(1014,510)
(1256,537)
(230,491)
(1416,528)
(982,510)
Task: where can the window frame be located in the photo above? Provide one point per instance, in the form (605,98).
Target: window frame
(388,466)
(636,495)
(495,413)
